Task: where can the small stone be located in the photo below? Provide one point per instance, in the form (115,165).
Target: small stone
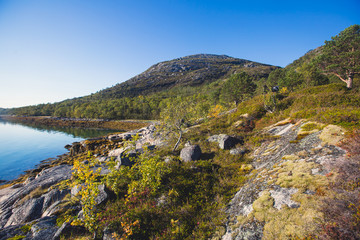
(103,195)
(315,171)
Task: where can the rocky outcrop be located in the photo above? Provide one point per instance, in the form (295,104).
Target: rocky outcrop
(40,229)
(148,139)
(44,179)
(33,201)
(281,192)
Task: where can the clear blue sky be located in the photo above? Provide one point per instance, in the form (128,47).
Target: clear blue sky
(51,50)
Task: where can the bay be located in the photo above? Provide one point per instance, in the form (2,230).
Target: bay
(22,147)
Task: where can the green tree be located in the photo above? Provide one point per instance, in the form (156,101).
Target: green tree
(177,115)
(341,55)
(238,87)
(312,75)
(275,77)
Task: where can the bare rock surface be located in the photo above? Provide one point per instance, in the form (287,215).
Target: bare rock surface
(285,167)
(282,196)
(12,213)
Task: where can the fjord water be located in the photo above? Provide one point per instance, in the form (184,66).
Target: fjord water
(22,147)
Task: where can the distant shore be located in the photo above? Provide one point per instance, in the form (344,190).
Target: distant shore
(120,125)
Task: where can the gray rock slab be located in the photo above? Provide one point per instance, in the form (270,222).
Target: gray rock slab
(53,196)
(44,228)
(30,210)
(47,178)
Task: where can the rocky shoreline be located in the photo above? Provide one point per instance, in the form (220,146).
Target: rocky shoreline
(286,175)
(30,204)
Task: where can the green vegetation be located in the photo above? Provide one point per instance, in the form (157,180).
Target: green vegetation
(144,96)
(179,114)
(85,179)
(341,55)
(161,200)
(238,87)
(26,228)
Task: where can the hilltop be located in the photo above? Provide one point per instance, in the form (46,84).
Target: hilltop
(191,70)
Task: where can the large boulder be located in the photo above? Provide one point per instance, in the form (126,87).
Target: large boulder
(225,141)
(190,153)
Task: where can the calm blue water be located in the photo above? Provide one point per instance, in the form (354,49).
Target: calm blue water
(22,147)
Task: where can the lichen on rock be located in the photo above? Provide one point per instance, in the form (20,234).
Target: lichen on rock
(287,184)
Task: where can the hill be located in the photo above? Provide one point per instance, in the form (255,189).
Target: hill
(140,97)
(191,70)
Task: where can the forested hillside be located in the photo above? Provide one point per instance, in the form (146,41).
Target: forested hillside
(3,111)
(211,82)
(143,96)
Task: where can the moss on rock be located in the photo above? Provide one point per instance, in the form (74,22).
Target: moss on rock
(309,128)
(297,174)
(332,134)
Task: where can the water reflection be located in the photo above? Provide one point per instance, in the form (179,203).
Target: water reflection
(72,131)
(24,145)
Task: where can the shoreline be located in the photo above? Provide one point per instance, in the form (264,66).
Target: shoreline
(119,125)
(116,125)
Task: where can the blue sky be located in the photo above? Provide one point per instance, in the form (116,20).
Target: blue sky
(51,50)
